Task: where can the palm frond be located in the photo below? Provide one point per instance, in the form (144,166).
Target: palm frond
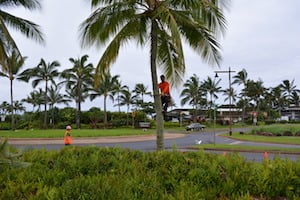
(26,27)
(10,159)
(28,4)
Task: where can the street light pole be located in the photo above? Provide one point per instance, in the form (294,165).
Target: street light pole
(215,107)
(229,93)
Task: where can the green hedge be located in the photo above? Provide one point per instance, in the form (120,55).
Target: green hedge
(114,173)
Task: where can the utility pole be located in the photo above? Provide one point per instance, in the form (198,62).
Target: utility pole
(229,94)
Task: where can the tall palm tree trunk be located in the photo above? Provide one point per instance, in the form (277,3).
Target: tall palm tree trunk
(45,106)
(244,109)
(195,112)
(157,100)
(51,107)
(12,105)
(127,120)
(78,113)
(105,114)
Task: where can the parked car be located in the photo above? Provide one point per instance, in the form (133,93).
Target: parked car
(195,127)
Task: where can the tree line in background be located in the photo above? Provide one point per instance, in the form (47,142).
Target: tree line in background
(78,84)
(247,94)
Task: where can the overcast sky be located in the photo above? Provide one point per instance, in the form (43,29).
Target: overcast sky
(262,37)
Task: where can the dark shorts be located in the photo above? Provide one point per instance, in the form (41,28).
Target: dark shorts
(165,99)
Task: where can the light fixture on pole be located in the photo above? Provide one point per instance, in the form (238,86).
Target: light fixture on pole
(229,94)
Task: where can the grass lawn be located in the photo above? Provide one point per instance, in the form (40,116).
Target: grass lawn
(58,133)
(241,148)
(294,140)
(267,139)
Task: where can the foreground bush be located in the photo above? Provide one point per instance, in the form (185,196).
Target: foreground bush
(113,173)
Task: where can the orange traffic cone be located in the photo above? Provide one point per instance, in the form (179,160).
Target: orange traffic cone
(266,155)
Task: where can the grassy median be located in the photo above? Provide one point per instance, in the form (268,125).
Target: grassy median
(57,133)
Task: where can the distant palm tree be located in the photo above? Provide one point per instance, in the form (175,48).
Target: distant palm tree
(230,93)
(211,87)
(192,94)
(43,72)
(288,88)
(241,79)
(56,97)
(34,98)
(4,108)
(27,28)
(10,69)
(279,101)
(79,81)
(255,91)
(126,99)
(105,89)
(141,90)
(119,89)
(295,98)
(163,25)
(18,106)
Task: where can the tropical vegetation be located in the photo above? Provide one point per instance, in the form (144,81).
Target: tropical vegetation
(161,26)
(11,59)
(113,173)
(82,80)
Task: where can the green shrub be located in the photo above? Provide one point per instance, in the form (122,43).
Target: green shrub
(113,173)
(5,126)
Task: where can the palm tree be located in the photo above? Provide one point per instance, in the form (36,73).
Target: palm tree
(211,87)
(230,92)
(35,98)
(165,24)
(4,108)
(55,97)
(255,91)
(288,88)
(10,69)
(192,94)
(105,89)
(18,106)
(27,28)
(295,98)
(279,101)
(79,82)
(43,72)
(141,90)
(119,89)
(241,79)
(127,99)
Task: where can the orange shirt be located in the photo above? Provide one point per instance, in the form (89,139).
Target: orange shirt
(164,88)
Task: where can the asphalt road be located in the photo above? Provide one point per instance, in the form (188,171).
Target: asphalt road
(179,143)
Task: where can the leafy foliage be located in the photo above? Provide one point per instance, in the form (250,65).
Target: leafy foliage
(9,158)
(114,173)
